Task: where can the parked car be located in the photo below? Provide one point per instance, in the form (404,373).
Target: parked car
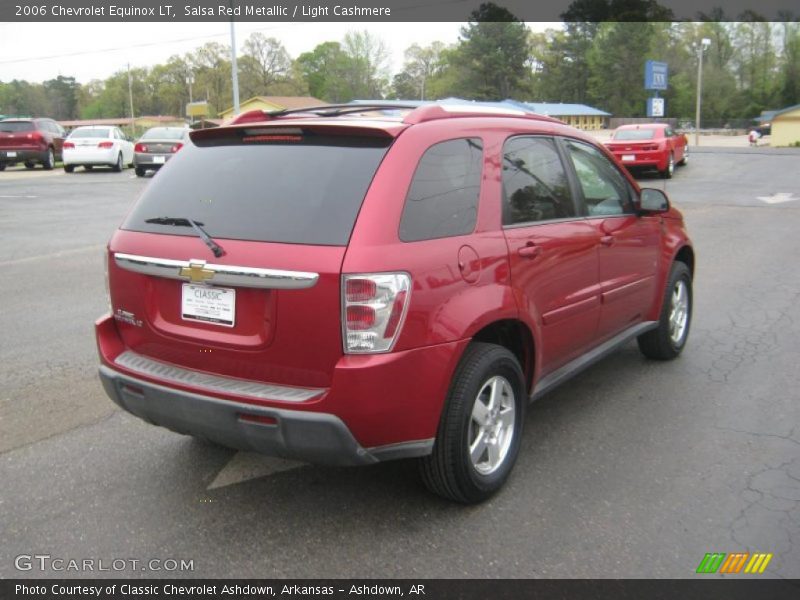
(30,141)
(346,290)
(97,146)
(650,146)
(156,146)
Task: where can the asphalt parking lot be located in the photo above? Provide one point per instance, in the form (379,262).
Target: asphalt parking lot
(633,469)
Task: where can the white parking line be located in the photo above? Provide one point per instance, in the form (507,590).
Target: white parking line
(2,196)
(17,261)
(244,466)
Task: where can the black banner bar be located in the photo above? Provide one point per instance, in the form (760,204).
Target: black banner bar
(733,588)
(386,10)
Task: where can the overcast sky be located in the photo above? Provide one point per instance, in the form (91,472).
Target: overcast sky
(40,51)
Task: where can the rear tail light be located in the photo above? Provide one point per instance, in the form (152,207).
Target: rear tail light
(373,307)
(176,147)
(105,145)
(140,148)
(650,148)
(69,145)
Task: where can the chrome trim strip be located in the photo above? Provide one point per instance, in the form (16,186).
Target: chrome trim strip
(222,274)
(213,383)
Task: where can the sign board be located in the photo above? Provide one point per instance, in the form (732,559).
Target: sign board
(655,107)
(655,75)
(197,109)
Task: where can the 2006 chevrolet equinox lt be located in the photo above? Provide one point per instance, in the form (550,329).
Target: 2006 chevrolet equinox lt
(348,284)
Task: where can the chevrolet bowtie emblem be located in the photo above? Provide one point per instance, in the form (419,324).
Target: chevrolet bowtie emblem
(196,272)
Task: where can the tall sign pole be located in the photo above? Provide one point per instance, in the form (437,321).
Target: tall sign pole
(234,71)
(656,75)
(704,43)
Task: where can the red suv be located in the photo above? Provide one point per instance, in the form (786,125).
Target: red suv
(350,288)
(30,141)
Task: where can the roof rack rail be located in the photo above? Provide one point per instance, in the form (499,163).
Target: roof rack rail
(417,113)
(325,110)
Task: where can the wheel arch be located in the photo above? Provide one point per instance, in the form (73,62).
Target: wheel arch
(685,254)
(517,338)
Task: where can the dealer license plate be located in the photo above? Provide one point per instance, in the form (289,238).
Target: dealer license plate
(159,160)
(628,157)
(208,304)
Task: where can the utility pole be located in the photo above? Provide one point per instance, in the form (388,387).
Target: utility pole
(704,43)
(234,71)
(130,98)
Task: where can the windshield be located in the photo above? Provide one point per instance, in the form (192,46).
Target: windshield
(304,192)
(635,134)
(90,133)
(164,133)
(14,126)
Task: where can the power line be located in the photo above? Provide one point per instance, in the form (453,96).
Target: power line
(132,46)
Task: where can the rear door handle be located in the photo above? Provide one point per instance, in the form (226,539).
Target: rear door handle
(607,240)
(530,250)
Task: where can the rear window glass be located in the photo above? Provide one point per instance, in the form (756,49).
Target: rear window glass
(90,133)
(14,126)
(164,133)
(443,198)
(635,134)
(301,192)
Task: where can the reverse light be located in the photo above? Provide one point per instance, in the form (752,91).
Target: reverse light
(105,145)
(373,308)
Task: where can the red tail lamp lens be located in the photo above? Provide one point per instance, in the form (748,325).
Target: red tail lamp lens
(360,317)
(359,290)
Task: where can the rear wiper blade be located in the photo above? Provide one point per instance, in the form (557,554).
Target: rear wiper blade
(196,225)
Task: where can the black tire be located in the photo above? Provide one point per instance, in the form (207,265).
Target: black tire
(685,159)
(69,168)
(49,161)
(450,471)
(670,170)
(88,167)
(2,166)
(140,171)
(117,167)
(662,343)
(29,164)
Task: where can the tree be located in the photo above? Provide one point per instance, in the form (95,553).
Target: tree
(323,70)
(266,69)
(492,54)
(422,64)
(365,67)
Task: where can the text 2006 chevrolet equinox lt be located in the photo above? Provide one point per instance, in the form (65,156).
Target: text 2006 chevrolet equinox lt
(342,288)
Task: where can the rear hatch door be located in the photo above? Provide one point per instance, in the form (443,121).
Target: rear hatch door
(282,207)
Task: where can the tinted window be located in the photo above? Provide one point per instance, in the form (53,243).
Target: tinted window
(634,134)
(535,186)
(605,190)
(14,126)
(303,192)
(443,198)
(90,133)
(164,133)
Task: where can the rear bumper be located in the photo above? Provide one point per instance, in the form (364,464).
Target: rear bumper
(310,436)
(22,155)
(378,407)
(644,162)
(150,161)
(90,156)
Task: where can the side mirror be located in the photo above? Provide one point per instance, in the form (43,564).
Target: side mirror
(652,201)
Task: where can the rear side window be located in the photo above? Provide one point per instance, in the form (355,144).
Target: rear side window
(535,184)
(443,198)
(304,191)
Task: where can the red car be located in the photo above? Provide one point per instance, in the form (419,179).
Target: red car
(346,289)
(650,146)
(30,141)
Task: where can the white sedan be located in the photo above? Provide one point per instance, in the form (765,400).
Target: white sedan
(97,145)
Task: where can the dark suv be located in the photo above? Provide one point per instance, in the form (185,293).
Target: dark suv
(30,141)
(348,288)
